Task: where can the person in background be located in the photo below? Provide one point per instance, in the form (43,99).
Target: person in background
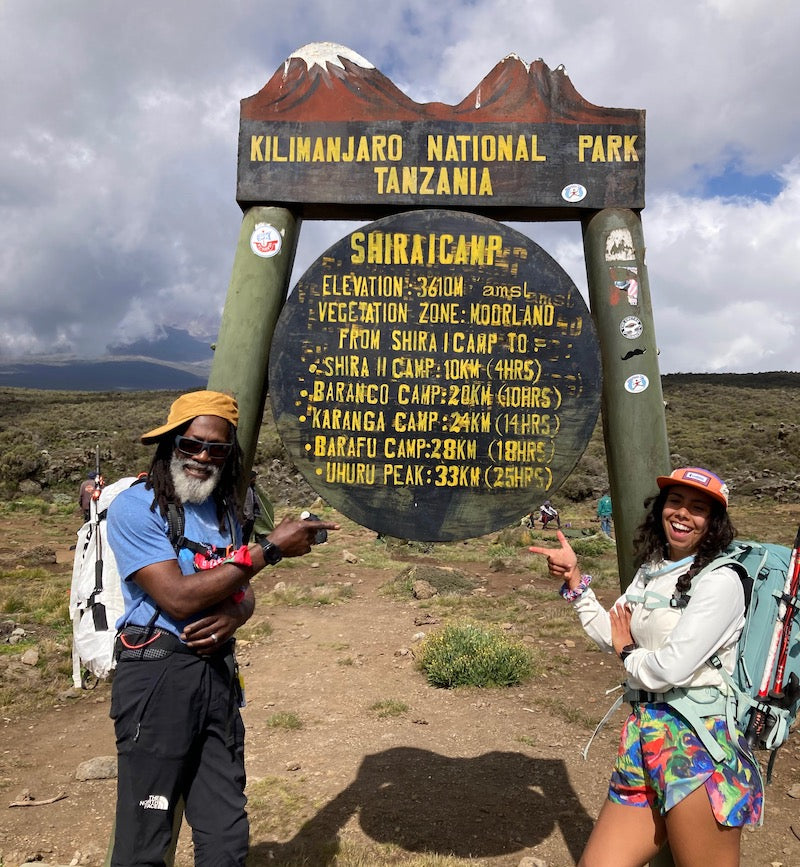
(687,776)
(548,513)
(251,509)
(85,496)
(604,512)
(176,691)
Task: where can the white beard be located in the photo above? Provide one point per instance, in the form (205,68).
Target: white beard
(188,488)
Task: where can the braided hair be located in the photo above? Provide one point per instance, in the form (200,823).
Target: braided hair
(650,542)
(159,478)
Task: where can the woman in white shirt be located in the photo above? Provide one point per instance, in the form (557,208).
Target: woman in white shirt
(681,776)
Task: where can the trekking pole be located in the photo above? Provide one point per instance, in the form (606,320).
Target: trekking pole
(776,693)
(98,565)
(780,639)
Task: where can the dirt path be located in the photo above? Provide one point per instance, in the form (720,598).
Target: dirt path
(490,776)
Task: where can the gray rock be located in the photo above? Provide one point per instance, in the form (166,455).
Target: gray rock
(30,657)
(98,768)
(422,589)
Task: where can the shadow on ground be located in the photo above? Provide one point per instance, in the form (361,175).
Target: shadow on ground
(491,805)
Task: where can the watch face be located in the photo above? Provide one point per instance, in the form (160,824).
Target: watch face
(272,554)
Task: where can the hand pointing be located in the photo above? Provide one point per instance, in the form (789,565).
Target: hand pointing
(562,562)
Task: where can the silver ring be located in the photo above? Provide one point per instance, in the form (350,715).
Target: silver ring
(214,637)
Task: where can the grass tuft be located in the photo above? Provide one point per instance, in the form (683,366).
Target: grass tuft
(388,707)
(285,720)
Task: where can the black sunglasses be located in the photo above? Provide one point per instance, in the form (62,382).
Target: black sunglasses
(192,447)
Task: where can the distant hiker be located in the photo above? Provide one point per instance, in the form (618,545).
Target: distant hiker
(85,496)
(176,692)
(251,510)
(604,513)
(548,513)
(683,776)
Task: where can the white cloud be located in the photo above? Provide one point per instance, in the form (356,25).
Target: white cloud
(723,277)
(118,159)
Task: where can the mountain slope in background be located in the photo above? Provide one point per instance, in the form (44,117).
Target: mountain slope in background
(175,360)
(171,345)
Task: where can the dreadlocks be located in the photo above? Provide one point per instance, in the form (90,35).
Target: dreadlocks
(159,479)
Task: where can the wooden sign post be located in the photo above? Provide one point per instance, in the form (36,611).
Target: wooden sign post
(448,439)
(331,137)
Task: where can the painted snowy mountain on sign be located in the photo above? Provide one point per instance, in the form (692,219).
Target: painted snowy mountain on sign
(327,82)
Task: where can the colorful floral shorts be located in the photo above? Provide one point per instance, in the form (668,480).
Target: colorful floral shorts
(661,761)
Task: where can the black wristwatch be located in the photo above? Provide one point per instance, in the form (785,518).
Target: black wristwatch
(626,651)
(272,553)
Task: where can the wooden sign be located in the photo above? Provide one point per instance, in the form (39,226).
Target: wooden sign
(331,136)
(434,375)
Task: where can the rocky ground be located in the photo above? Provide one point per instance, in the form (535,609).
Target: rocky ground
(382,768)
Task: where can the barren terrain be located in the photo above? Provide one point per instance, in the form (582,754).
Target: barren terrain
(383,768)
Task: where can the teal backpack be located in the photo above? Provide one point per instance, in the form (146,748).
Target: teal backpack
(763,694)
(766,679)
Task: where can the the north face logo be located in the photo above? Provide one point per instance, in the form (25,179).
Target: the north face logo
(154,802)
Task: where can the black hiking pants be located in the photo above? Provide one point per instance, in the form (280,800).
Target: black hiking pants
(179,735)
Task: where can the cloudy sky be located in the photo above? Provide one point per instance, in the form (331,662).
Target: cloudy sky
(118,153)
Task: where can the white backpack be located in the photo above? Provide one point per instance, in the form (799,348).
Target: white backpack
(95,599)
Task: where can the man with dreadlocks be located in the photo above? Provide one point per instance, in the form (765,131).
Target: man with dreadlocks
(176,691)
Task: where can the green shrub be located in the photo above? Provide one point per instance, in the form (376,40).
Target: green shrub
(20,461)
(592,546)
(467,654)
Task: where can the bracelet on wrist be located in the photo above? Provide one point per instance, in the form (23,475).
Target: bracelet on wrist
(573,593)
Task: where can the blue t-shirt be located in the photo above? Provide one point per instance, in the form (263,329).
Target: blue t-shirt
(139,538)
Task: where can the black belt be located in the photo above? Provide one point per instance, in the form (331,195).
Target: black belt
(642,696)
(144,642)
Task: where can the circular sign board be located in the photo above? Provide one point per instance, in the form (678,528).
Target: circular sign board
(434,375)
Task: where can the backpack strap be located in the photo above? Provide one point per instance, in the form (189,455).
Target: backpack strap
(176,522)
(692,703)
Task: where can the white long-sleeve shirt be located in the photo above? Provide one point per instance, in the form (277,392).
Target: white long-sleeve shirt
(674,644)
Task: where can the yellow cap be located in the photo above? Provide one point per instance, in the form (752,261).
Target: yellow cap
(191,405)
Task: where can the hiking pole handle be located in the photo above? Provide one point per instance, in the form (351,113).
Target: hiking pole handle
(756,725)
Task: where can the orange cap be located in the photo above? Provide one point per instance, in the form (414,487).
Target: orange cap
(697,477)
(191,405)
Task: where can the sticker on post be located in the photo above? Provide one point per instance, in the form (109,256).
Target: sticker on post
(633,353)
(637,383)
(631,327)
(265,241)
(624,284)
(574,193)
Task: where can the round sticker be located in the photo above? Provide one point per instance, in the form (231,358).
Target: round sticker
(637,383)
(265,241)
(574,193)
(434,375)
(631,327)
